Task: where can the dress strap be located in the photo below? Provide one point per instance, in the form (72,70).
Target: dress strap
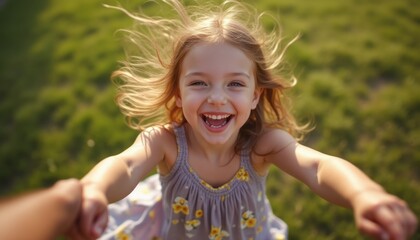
(181,141)
(246,162)
(182,152)
(245,159)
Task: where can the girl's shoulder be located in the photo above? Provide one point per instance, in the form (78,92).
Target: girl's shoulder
(273,140)
(157,139)
(159,134)
(162,139)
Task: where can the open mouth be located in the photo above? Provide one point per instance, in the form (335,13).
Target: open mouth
(216,121)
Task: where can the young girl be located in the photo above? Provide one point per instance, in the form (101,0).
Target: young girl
(215,73)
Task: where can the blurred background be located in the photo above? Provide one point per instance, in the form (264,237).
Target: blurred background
(357,63)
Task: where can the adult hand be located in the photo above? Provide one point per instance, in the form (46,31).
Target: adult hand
(42,214)
(93,215)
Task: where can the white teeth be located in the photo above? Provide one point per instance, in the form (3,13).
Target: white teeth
(221,119)
(216,117)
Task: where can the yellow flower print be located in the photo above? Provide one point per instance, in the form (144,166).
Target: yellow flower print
(152,214)
(192,224)
(242,175)
(122,234)
(247,214)
(181,206)
(199,213)
(248,220)
(279,236)
(214,231)
(217,234)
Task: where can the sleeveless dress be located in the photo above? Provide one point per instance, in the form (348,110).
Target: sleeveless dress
(181,206)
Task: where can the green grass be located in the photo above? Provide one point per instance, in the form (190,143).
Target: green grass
(356,61)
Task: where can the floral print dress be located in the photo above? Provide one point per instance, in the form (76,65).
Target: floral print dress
(181,206)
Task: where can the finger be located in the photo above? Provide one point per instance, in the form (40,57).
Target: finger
(399,218)
(86,219)
(372,229)
(95,219)
(389,221)
(100,224)
(76,232)
(408,218)
(405,217)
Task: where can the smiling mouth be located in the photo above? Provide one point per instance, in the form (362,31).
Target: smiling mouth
(216,121)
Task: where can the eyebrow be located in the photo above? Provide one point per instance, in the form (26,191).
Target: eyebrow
(233,74)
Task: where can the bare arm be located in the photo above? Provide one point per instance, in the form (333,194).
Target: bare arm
(377,213)
(334,179)
(43,214)
(115,177)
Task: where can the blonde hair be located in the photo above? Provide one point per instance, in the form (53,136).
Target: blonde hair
(148,80)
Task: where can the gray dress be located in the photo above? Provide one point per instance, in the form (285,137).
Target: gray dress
(186,207)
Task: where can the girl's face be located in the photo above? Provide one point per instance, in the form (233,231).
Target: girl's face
(217,91)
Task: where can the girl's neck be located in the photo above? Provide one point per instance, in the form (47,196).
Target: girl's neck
(218,154)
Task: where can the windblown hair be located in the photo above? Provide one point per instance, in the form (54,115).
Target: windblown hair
(148,80)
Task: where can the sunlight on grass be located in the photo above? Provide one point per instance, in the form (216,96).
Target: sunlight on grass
(356,62)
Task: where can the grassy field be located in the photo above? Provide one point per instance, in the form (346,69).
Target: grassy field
(356,61)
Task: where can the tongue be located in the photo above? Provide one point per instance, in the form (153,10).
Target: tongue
(216,122)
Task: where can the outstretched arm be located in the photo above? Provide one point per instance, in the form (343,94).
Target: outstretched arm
(41,215)
(115,177)
(377,213)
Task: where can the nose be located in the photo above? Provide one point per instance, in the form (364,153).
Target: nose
(217,97)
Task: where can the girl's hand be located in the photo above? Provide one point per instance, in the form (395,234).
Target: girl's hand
(383,216)
(93,215)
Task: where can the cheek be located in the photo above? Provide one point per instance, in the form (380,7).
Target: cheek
(191,108)
(189,102)
(249,100)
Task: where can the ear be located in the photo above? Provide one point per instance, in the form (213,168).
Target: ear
(178,100)
(256,99)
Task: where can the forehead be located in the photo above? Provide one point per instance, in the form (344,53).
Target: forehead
(216,58)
